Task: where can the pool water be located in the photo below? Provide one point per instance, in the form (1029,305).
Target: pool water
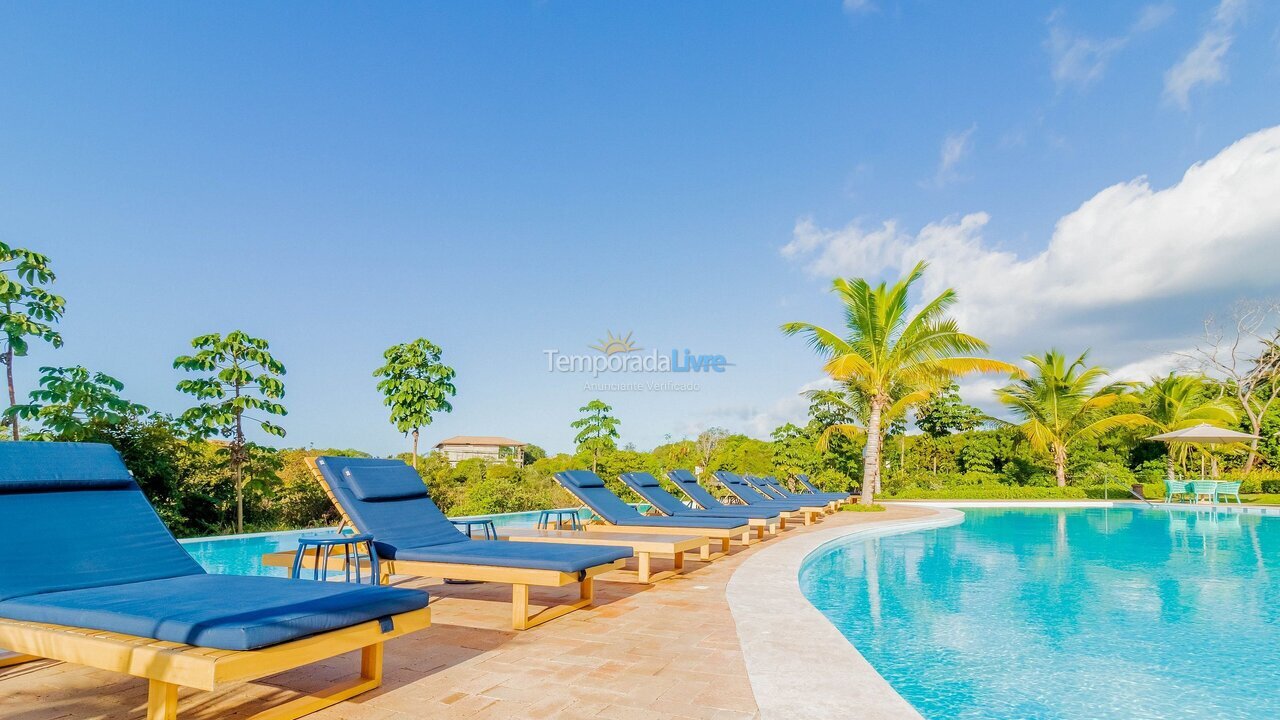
(1079,614)
(242,554)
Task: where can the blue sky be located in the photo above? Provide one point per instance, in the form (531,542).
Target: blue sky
(507,178)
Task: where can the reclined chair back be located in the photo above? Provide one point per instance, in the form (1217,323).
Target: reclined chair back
(689,484)
(648,487)
(75,519)
(386,499)
(590,489)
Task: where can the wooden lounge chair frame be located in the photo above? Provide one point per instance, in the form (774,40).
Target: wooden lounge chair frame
(519,578)
(169,665)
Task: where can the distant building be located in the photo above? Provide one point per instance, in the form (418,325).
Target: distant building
(485,447)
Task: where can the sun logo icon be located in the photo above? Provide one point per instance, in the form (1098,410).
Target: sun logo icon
(611,345)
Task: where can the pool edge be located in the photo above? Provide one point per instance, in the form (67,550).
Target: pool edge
(797,661)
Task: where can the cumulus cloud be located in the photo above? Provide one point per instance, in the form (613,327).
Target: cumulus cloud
(1205,64)
(1079,60)
(755,420)
(1124,265)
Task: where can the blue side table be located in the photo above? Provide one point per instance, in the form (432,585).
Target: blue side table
(349,547)
(486,526)
(545,519)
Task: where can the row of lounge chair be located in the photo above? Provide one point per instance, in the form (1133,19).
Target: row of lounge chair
(95,577)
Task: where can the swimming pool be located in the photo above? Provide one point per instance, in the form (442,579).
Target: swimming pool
(242,554)
(1078,614)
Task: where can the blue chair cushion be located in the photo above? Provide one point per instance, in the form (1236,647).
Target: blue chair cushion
(53,467)
(228,612)
(414,528)
(581,478)
(590,489)
(689,484)
(409,522)
(532,556)
(384,482)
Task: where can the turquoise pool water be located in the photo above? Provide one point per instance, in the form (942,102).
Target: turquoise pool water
(242,554)
(1093,614)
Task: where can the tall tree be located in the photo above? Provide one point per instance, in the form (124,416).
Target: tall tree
(415,385)
(72,399)
(241,377)
(1178,402)
(706,443)
(886,352)
(946,413)
(597,430)
(27,310)
(1063,403)
(1246,356)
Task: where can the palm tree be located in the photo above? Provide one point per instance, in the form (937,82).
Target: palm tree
(1177,402)
(889,357)
(1062,404)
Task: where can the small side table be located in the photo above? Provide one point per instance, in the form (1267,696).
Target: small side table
(545,517)
(486,526)
(349,545)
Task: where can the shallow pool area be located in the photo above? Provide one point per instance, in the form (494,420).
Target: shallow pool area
(1077,614)
(242,554)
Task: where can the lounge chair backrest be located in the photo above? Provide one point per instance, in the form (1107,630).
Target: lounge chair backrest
(735,483)
(589,488)
(758,483)
(690,485)
(388,500)
(804,480)
(74,518)
(648,487)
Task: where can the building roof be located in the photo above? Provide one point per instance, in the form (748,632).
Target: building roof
(481,440)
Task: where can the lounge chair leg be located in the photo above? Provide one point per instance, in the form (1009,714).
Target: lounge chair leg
(724,543)
(704,553)
(371,663)
(162,701)
(677,562)
(644,567)
(587,591)
(520,607)
(746,536)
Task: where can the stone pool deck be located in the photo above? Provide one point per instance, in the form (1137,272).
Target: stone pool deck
(648,652)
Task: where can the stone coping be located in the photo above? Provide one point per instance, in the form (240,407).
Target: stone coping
(798,663)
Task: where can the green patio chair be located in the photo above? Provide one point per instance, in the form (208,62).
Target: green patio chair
(1203,487)
(1229,488)
(1174,487)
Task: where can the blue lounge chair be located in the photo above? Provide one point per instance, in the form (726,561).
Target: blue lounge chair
(388,500)
(770,489)
(836,497)
(617,516)
(647,486)
(92,576)
(805,481)
(750,496)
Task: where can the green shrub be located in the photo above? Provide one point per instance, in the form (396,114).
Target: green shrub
(994,492)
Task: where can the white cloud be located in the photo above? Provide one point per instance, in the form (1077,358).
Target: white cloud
(858,7)
(1079,60)
(1205,63)
(1121,268)
(956,146)
(758,421)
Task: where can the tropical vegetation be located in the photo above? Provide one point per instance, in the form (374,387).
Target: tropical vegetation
(892,423)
